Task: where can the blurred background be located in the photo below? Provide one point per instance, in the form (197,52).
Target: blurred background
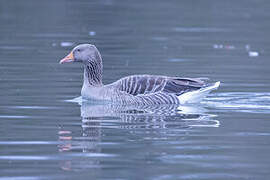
(44,137)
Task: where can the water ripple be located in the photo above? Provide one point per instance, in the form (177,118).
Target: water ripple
(22,178)
(240,101)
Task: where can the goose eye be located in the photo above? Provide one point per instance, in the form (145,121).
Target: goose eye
(78,50)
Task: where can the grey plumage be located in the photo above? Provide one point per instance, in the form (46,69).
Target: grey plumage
(136,89)
(150,89)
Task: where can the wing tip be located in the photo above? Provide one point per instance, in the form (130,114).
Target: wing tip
(216,85)
(198,95)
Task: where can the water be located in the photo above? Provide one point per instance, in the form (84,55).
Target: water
(47,134)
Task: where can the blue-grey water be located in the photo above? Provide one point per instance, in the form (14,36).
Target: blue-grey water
(47,134)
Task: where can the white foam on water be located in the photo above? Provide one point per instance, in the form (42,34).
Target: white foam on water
(240,101)
(78,100)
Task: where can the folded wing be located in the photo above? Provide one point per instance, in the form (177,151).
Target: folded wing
(147,84)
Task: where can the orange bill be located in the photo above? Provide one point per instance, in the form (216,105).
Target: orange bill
(68,58)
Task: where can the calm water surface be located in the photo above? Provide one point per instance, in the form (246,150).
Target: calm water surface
(47,134)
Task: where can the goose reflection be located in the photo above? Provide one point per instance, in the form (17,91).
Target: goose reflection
(137,117)
(97,118)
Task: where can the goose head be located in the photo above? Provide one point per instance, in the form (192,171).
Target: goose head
(84,53)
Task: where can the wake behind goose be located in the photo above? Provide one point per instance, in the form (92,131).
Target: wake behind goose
(252,102)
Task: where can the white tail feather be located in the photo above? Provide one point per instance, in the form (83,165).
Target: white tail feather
(198,95)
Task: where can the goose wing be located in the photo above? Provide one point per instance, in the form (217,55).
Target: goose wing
(147,84)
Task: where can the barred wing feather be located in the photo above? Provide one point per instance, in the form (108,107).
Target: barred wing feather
(146,84)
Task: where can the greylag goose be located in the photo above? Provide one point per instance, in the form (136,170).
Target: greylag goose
(135,89)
